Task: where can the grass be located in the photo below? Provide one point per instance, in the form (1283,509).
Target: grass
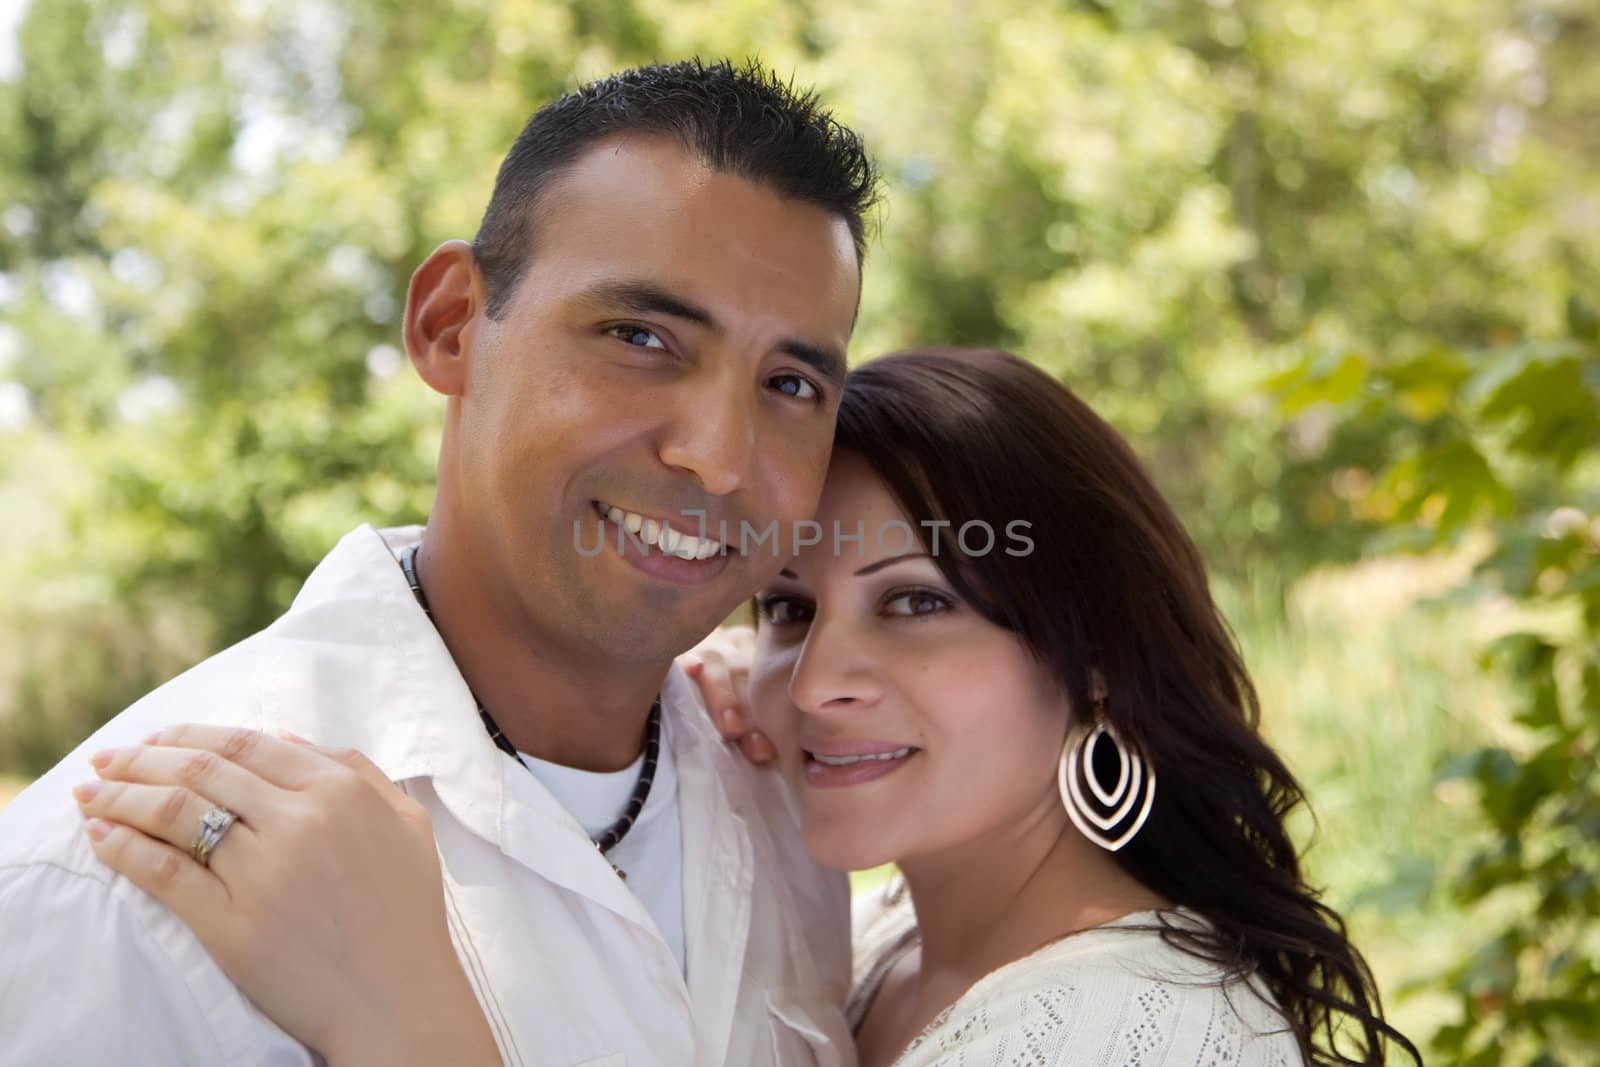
(1368,684)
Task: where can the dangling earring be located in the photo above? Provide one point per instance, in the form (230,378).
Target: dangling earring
(1098,812)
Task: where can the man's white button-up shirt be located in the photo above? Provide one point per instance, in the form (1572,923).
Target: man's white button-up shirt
(566,963)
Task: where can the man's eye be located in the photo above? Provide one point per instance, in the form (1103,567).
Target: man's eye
(637,336)
(796,386)
(917,602)
(783,610)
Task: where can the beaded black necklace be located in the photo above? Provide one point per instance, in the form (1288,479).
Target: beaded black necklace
(612,834)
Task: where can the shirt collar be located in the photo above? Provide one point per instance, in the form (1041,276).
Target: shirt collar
(413,714)
(414,717)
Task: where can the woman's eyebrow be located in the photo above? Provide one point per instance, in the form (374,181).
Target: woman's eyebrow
(878,565)
(873,567)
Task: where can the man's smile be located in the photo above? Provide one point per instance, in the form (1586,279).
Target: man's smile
(653,546)
(659,534)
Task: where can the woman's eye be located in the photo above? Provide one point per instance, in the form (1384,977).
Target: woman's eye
(783,610)
(637,336)
(796,386)
(916,602)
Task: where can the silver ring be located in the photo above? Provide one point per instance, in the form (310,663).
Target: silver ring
(213,824)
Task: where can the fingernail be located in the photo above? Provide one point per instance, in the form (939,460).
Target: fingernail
(102,760)
(155,738)
(97,829)
(729,721)
(85,792)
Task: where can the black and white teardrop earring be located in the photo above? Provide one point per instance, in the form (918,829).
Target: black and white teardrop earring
(1108,817)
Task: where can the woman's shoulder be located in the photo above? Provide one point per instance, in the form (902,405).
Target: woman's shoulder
(1119,993)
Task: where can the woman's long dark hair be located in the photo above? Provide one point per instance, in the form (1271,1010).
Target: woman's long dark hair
(1114,584)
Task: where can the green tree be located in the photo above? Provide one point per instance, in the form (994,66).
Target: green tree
(1504,448)
(1315,260)
(212,214)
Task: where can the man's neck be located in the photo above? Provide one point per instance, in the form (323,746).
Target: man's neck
(549,700)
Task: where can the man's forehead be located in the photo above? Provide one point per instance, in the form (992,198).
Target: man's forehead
(628,163)
(654,183)
(646,209)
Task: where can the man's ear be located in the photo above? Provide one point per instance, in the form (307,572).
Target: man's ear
(443,305)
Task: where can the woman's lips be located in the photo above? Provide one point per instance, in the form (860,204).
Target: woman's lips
(835,775)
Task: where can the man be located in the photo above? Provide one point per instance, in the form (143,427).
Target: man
(650,324)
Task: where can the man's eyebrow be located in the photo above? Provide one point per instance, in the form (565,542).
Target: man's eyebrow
(644,298)
(824,359)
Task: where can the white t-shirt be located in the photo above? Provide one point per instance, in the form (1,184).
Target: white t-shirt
(651,853)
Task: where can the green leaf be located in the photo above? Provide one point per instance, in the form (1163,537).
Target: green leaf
(1583,318)
(1332,379)
(1454,478)
(1544,395)
(1491,969)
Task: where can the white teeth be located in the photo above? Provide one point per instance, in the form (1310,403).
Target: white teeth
(845,761)
(671,542)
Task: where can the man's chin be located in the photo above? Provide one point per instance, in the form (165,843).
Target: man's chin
(652,632)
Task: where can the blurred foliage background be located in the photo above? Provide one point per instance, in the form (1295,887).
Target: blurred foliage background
(1333,267)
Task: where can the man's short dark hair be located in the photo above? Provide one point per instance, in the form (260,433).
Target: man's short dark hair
(738,120)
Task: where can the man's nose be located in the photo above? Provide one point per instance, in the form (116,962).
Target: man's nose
(713,437)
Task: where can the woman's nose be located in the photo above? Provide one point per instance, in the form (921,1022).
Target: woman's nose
(834,671)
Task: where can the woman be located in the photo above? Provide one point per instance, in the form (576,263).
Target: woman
(1002,671)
